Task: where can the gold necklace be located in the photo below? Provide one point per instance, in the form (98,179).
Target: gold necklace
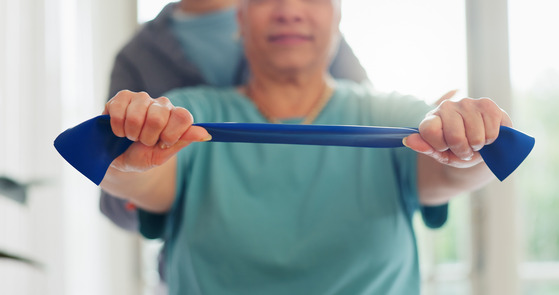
(313,113)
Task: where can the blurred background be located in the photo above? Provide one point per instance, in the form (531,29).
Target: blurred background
(55,61)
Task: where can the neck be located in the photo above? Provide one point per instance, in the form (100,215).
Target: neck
(205,6)
(289,97)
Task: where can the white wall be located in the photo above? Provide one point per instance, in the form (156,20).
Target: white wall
(55,58)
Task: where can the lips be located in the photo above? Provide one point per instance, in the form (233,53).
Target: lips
(289,38)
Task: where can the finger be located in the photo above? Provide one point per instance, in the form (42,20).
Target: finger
(493,118)
(116,109)
(195,133)
(505,119)
(418,144)
(475,132)
(136,115)
(157,117)
(431,130)
(454,132)
(474,124)
(179,121)
(192,134)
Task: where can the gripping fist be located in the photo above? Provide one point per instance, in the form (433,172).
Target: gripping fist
(158,128)
(455,131)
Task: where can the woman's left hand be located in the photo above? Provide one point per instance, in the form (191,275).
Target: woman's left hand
(455,131)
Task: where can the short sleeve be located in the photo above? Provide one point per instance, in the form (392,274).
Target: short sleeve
(152,225)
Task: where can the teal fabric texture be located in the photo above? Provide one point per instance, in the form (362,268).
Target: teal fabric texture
(294,219)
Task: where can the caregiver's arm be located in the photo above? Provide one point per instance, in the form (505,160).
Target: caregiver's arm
(448,142)
(145,173)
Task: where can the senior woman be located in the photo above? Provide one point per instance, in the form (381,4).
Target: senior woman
(279,219)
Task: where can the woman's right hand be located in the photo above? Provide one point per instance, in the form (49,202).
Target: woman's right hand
(158,128)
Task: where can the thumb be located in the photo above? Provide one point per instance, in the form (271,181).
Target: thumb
(195,133)
(192,134)
(416,143)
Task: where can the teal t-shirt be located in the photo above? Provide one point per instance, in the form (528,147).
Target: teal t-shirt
(292,219)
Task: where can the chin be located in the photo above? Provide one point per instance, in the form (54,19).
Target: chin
(293,63)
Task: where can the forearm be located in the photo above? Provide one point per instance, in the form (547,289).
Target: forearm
(152,190)
(442,182)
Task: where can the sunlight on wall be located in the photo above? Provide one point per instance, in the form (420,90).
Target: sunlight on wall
(148,9)
(411,47)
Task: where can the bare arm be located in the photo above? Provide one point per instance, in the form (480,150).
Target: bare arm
(448,142)
(141,188)
(145,173)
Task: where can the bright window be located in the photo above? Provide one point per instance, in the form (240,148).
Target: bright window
(534,51)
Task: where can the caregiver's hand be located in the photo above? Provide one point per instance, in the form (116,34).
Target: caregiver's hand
(159,129)
(455,131)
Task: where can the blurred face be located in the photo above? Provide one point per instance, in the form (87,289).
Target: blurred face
(289,35)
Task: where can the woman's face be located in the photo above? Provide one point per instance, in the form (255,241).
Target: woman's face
(289,35)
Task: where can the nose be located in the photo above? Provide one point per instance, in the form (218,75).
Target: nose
(289,11)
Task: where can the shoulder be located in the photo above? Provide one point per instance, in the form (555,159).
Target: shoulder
(365,91)
(150,35)
(384,108)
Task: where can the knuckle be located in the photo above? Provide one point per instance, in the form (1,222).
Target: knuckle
(467,105)
(183,116)
(485,102)
(143,98)
(488,106)
(143,94)
(124,93)
(163,100)
(115,105)
(447,105)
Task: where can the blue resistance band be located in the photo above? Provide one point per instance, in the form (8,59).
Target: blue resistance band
(91,146)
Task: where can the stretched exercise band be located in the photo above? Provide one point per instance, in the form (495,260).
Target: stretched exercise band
(91,146)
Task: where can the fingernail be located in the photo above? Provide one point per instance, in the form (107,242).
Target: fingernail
(207,138)
(163,146)
(477,147)
(405,141)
